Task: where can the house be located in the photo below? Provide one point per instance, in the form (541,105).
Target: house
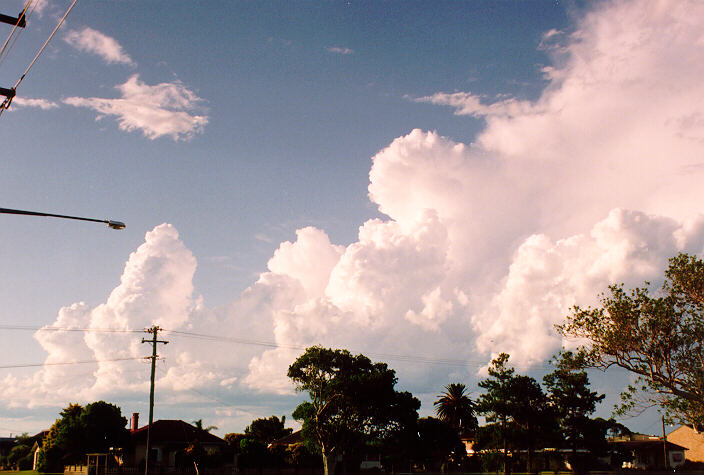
(687,437)
(168,441)
(648,451)
(467,439)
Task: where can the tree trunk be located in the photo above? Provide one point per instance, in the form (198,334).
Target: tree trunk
(329,463)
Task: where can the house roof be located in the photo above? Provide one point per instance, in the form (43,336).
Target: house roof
(171,431)
(647,444)
(693,440)
(8,441)
(293,438)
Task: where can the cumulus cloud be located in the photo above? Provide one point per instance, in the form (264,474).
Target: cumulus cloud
(482,247)
(155,288)
(92,41)
(339,50)
(490,244)
(165,109)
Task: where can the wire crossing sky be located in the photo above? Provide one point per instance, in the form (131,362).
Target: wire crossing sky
(427,183)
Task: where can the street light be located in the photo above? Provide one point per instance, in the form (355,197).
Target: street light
(111,224)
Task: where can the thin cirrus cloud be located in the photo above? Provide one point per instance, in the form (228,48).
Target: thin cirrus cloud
(482,247)
(93,41)
(339,50)
(161,110)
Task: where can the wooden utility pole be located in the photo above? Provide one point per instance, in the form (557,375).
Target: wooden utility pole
(21,22)
(154,331)
(664,443)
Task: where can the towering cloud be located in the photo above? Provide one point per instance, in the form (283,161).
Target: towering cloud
(483,247)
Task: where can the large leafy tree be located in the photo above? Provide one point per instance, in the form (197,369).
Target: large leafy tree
(436,442)
(267,430)
(455,408)
(657,336)
(93,429)
(352,400)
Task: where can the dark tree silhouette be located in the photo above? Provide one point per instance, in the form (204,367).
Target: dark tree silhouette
(456,408)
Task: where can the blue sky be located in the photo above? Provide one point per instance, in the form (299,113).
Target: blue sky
(430,179)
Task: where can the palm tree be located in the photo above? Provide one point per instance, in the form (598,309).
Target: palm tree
(456,408)
(199,425)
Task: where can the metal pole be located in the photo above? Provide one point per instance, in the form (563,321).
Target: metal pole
(112,224)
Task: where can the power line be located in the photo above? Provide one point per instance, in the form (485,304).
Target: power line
(8,99)
(269,344)
(68,329)
(66,363)
(21,20)
(419,359)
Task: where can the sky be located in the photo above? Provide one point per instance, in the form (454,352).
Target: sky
(427,183)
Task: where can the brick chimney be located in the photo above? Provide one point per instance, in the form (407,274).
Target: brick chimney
(135,421)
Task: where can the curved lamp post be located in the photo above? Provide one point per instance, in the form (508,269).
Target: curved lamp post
(112,224)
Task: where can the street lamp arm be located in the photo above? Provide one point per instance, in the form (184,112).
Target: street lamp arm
(112,224)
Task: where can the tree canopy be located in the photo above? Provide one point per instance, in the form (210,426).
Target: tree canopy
(267,430)
(95,428)
(573,402)
(659,336)
(516,410)
(351,401)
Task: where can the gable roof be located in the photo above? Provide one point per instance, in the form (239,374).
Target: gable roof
(173,431)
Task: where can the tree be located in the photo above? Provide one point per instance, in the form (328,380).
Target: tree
(658,337)
(456,408)
(573,402)
(437,440)
(20,456)
(496,406)
(95,428)
(352,400)
(517,411)
(267,430)
(531,415)
(198,424)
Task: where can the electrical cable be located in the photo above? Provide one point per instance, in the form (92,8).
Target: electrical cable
(66,363)
(268,344)
(395,357)
(68,329)
(4,47)
(8,100)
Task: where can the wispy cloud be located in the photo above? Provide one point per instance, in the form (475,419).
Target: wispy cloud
(89,40)
(339,50)
(43,104)
(165,109)
(466,103)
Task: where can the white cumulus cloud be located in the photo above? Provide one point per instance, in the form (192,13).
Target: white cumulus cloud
(92,41)
(165,109)
(483,247)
